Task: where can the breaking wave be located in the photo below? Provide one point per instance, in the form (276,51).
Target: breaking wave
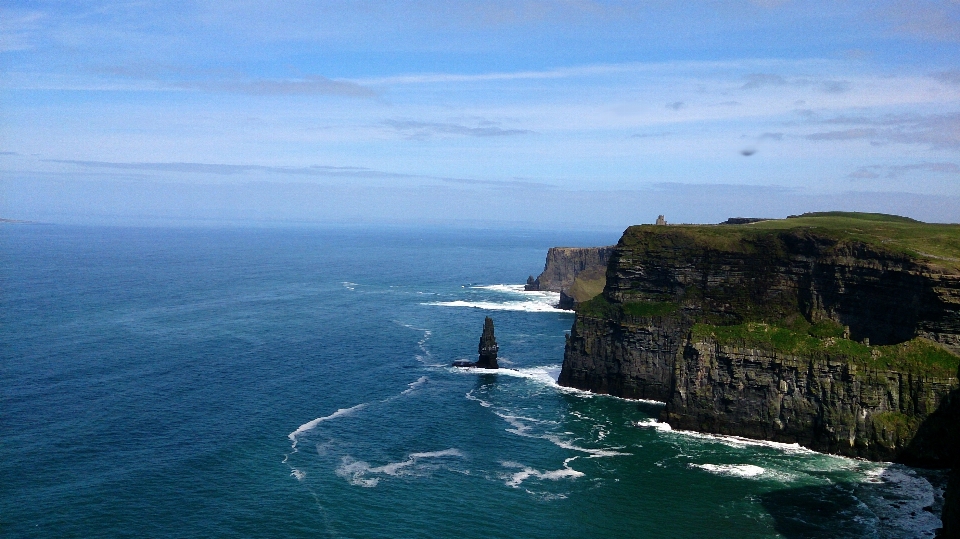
(517,299)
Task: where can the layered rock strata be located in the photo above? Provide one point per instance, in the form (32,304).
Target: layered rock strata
(563,264)
(807,334)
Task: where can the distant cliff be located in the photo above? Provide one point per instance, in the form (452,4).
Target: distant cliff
(839,332)
(578,273)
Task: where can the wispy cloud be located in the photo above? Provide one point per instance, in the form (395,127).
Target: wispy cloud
(759,80)
(420,130)
(222,169)
(498,183)
(845,134)
(939,131)
(764,80)
(897,171)
(312,85)
(937,21)
(949,77)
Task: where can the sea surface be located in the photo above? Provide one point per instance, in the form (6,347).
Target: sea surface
(295,382)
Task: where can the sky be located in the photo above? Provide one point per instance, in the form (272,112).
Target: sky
(556,114)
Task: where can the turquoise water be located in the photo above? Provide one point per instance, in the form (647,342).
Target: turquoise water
(295,383)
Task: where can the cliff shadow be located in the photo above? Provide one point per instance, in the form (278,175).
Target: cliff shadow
(937,441)
(899,502)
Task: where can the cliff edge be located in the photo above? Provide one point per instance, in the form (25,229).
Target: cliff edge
(578,273)
(837,331)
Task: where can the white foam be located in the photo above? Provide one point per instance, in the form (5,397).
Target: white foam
(413,386)
(298,474)
(349,286)
(550,374)
(524,306)
(474,398)
(653,424)
(900,494)
(593,453)
(511,288)
(517,422)
(526,472)
(310,425)
(533,301)
(736,470)
(740,442)
(356,471)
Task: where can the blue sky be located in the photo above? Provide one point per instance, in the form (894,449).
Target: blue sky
(574,114)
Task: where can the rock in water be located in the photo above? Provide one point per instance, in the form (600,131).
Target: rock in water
(488,347)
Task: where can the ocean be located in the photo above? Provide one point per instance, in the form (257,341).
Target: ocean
(295,382)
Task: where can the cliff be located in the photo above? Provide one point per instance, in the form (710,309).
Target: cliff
(578,273)
(839,332)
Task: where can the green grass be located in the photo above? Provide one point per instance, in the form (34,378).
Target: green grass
(938,244)
(599,307)
(916,355)
(588,285)
(648,308)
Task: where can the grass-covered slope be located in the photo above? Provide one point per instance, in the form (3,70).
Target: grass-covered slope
(938,244)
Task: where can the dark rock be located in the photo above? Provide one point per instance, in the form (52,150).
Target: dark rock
(565,263)
(566,302)
(531,285)
(743,220)
(487,350)
(488,347)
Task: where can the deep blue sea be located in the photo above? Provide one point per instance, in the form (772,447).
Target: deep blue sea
(295,382)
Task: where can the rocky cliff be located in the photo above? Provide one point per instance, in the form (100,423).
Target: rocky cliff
(836,331)
(578,273)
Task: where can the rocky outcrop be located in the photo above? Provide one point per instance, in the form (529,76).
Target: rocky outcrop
(578,273)
(565,263)
(761,330)
(488,347)
(487,350)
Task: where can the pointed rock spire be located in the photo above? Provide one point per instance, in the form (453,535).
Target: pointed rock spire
(488,347)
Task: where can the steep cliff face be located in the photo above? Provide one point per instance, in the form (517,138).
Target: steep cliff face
(564,264)
(884,296)
(834,332)
(824,403)
(625,356)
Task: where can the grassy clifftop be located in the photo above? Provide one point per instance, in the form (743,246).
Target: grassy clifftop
(935,244)
(818,284)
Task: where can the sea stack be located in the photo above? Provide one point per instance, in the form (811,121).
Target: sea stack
(488,347)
